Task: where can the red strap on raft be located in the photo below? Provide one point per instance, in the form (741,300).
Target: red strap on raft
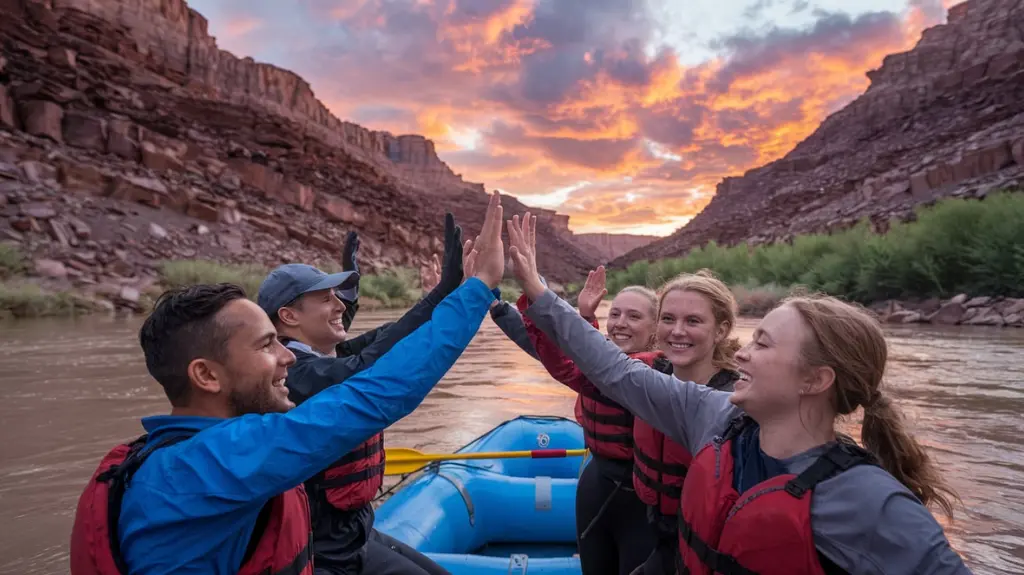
(546,453)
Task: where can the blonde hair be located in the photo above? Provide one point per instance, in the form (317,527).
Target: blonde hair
(648,294)
(723,307)
(846,338)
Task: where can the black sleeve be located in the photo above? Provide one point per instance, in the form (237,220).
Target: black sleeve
(349,315)
(311,374)
(357,344)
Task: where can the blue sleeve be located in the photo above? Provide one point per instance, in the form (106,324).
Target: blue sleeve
(255,457)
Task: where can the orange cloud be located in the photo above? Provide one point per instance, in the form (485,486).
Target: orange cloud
(566,104)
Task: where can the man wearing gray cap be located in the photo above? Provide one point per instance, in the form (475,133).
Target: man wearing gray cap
(312,311)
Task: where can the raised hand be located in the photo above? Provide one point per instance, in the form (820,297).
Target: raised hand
(430,274)
(451,266)
(592,293)
(468,260)
(523,251)
(348,253)
(488,255)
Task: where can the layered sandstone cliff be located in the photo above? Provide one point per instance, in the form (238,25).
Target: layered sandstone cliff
(945,119)
(127,137)
(174,40)
(606,247)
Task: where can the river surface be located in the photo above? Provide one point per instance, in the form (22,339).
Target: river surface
(71,388)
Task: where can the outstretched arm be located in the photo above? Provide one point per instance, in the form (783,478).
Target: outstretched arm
(558,365)
(510,322)
(349,263)
(361,353)
(253,458)
(684,411)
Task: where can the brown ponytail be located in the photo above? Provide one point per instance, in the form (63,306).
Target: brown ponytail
(883,434)
(849,340)
(723,306)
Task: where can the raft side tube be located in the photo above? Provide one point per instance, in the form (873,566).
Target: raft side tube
(456,509)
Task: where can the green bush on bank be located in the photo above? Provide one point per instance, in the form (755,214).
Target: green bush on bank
(24,300)
(393,288)
(12,261)
(955,246)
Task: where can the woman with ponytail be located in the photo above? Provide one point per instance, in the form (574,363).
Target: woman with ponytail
(773,488)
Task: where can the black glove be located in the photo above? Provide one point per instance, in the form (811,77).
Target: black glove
(451,263)
(348,253)
(348,264)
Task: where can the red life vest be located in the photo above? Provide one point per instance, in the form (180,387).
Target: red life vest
(607,426)
(764,531)
(352,481)
(660,464)
(283,548)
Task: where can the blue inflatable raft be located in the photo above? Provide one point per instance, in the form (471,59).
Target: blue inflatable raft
(501,516)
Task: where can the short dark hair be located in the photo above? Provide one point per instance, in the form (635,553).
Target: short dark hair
(181,328)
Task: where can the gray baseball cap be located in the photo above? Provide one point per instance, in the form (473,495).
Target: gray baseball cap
(290,281)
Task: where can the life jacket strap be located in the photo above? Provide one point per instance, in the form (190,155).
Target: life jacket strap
(719,563)
(677,469)
(354,477)
(837,459)
(672,491)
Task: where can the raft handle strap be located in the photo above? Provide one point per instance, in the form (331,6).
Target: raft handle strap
(542,493)
(517,563)
(462,491)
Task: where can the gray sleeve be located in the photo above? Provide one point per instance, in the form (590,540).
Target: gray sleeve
(689,413)
(508,320)
(869,523)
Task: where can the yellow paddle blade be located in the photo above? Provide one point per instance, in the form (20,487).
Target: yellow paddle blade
(402,460)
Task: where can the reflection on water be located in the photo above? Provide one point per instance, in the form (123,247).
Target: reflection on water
(72,388)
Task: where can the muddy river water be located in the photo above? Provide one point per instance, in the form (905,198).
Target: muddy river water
(71,388)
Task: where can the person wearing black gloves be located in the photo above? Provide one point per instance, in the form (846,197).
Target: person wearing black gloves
(350,295)
(306,307)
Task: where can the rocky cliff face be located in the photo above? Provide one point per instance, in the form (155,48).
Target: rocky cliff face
(944,119)
(174,41)
(606,247)
(127,137)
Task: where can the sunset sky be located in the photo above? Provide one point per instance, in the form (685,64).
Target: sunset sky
(623,114)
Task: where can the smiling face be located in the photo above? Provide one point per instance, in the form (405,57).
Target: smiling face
(316,316)
(687,331)
(631,321)
(771,368)
(254,366)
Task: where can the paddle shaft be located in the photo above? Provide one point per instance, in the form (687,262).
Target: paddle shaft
(534,454)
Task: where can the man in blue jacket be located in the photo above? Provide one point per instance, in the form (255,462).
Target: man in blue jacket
(199,504)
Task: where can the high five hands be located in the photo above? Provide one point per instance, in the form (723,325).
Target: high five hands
(485,256)
(522,236)
(592,293)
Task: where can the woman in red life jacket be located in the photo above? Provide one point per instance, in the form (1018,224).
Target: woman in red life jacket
(696,315)
(612,530)
(773,488)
